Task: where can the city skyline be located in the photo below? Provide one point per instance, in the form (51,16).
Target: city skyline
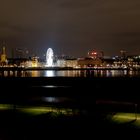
(71,27)
(24,53)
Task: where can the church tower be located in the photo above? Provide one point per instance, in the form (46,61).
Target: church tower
(3,55)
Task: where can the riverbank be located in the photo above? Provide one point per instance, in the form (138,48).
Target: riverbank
(34,108)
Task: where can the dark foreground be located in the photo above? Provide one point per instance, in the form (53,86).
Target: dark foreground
(63,108)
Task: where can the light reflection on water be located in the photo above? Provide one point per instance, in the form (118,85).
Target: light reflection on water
(72,73)
(49,73)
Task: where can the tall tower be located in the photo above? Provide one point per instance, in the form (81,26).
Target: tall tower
(3,55)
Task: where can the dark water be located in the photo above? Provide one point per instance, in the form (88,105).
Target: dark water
(73,73)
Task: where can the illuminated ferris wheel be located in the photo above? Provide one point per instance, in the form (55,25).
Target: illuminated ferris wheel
(49,57)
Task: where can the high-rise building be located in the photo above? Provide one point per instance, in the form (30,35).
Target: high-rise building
(19,53)
(123,54)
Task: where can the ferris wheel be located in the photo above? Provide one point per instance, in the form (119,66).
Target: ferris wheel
(49,57)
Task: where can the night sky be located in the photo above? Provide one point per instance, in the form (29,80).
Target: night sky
(70,27)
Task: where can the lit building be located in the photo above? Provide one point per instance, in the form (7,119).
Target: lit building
(92,54)
(60,63)
(34,61)
(67,63)
(71,63)
(89,62)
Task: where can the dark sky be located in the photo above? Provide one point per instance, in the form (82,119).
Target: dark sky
(71,27)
